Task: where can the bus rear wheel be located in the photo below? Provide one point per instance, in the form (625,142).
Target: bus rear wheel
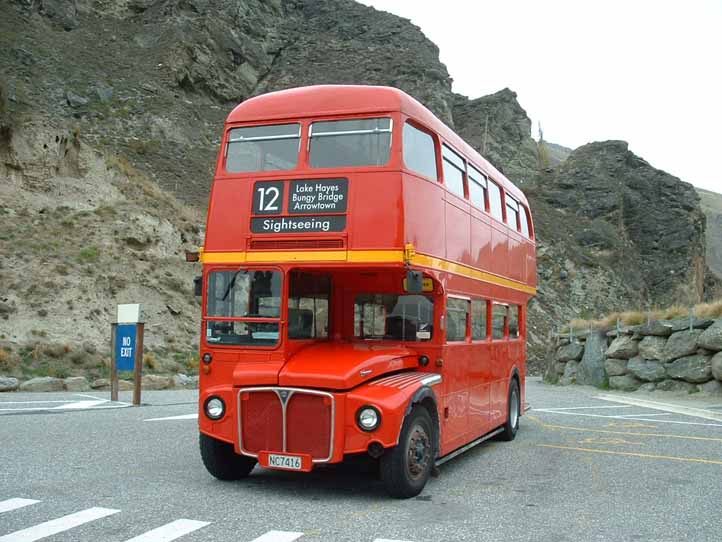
(513,411)
(222,461)
(406,468)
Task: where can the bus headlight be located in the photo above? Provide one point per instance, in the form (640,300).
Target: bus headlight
(214,408)
(368,418)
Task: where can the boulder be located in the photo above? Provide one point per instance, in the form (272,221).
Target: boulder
(559,367)
(624,383)
(711,338)
(76,383)
(156,382)
(656,329)
(615,367)
(185,381)
(623,347)
(648,387)
(681,344)
(713,387)
(8,383)
(680,324)
(647,370)
(716,365)
(42,383)
(695,369)
(103,384)
(591,368)
(570,373)
(676,385)
(652,347)
(569,352)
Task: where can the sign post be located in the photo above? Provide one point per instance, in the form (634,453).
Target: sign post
(127,349)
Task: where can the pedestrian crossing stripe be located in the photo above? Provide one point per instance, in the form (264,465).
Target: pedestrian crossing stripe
(165,533)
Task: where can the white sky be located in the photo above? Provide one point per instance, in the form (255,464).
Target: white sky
(648,72)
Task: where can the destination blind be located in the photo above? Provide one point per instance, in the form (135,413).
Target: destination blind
(312,198)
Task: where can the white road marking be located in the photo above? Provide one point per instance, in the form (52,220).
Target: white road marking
(171,531)
(584,407)
(14,504)
(647,415)
(388,540)
(81,404)
(95,404)
(58,525)
(181,417)
(31,402)
(666,407)
(278,536)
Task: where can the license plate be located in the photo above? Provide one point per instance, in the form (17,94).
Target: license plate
(288,462)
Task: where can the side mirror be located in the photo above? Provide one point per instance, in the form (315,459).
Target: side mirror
(414,282)
(198,286)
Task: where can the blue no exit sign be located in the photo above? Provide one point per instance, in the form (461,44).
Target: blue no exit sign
(125,344)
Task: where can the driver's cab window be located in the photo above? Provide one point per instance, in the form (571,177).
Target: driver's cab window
(308,305)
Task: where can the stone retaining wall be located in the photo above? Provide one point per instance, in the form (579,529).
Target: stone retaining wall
(674,355)
(80,383)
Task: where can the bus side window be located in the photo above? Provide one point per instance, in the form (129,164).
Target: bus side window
(514,313)
(498,321)
(495,201)
(524,221)
(454,170)
(419,152)
(457,315)
(478,319)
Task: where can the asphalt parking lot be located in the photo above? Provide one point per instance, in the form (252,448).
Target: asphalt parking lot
(586,465)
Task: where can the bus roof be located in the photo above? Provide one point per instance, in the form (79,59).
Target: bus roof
(327,100)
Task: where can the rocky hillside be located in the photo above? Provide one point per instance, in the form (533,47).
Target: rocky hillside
(712,208)
(147,84)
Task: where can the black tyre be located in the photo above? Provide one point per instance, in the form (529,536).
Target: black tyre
(222,461)
(513,412)
(405,469)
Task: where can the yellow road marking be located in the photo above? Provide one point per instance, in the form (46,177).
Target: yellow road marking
(632,433)
(633,454)
(631,424)
(595,440)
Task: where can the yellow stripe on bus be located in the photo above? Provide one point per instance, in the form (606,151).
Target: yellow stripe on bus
(364,256)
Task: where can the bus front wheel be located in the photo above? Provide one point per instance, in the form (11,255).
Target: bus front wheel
(405,469)
(513,412)
(222,461)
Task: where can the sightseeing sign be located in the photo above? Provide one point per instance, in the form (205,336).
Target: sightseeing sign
(311,206)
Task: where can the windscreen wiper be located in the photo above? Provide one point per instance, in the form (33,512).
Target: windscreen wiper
(232,283)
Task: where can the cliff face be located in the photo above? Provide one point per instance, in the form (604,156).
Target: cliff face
(657,226)
(151,81)
(712,208)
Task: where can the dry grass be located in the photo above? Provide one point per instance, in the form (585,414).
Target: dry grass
(712,309)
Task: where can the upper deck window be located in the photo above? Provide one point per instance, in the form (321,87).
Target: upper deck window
(512,212)
(263,148)
(495,201)
(419,151)
(524,221)
(477,187)
(350,143)
(454,168)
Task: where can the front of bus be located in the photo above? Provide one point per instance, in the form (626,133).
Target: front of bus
(315,336)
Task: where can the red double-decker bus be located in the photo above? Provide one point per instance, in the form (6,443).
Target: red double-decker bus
(365,281)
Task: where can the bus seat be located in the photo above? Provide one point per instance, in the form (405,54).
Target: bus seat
(399,329)
(300,323)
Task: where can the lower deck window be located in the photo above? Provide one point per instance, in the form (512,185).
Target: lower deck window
(393,317)
(457,315)
(498,321)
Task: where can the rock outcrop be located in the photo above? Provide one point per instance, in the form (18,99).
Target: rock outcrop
(160,78)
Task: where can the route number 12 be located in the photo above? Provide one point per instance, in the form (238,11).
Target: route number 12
(268,198)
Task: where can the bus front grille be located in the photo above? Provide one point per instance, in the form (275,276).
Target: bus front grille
(289,420)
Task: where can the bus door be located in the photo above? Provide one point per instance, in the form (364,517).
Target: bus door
(499,362)
(457,360)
